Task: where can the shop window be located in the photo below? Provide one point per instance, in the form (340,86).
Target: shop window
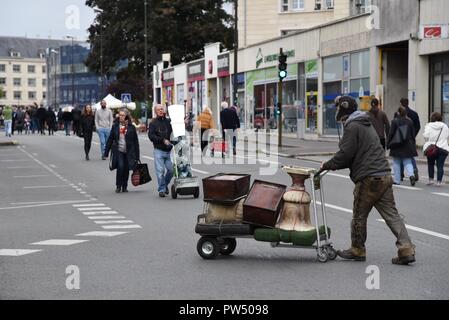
(360,64)
(360,85)
(331,91)
(333,68)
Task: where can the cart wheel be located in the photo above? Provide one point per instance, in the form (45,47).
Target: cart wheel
(331,253)
(174,194)
(208,248)
(196,195)
(322,255)
(228,246)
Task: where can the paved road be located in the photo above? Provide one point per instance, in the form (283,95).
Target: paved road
(58,211)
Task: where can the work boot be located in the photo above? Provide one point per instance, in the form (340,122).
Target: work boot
(413,180)
(405,256)
(352,254)
(416,174)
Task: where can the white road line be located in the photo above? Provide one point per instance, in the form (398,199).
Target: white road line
(89,205)
(36,176)
(95,209)
(16,252)
(93,213)
(114,222)
(41,205)
(45,187)
(58,242)
(132,226)
(12,160)
(441,194)
(431,233)
(101,234)
(107,217)
(23,168)
(50,202)
(408,188)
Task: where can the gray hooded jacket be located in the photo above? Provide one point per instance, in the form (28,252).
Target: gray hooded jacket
(360,150)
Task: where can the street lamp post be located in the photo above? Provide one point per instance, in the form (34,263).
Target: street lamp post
(101,51)
(73,74)
(236,47)
(54,78)
(146,51)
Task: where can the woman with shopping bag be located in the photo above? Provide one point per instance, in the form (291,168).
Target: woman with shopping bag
(124,143)
(436,147)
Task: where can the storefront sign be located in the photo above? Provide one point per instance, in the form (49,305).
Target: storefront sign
(168,77)
(438,31)
(260,58)
(195,71)
(223,65)
(311,69)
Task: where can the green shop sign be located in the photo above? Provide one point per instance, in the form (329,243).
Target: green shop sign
(272,57)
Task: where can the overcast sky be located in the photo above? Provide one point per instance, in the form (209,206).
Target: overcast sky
(47,18)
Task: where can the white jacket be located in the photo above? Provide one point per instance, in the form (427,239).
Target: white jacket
(431,133)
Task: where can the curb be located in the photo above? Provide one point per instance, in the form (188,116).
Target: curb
(9,143)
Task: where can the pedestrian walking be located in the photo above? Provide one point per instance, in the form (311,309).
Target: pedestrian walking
(7,120)
(380,122)
(124,143)
(103,124)
(51,121)
(361,152)
(76,116)
(34,120)
(159,132)
(20,120)
(436,133)
(206,123)
(67,118)
(41,115)
(230,123)
(412,115)
(402,145)
(87,128)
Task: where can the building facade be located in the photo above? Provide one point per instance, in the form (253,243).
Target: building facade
(23,70)
(400,49)
(260,20)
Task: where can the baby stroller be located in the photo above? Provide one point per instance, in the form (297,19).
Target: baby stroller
(185,184)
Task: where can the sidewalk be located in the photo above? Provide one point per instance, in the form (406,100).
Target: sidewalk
(4,141)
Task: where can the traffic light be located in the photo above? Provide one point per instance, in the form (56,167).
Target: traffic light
(282,66)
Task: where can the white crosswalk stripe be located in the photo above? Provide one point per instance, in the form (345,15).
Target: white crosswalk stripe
(132,226)
(16,252)
(58,242)
(107,217)
(99,212)
(94,209)
(114,222)
(101,234)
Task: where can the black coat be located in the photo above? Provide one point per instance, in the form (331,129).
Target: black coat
(408,148)
(50,118)
(160,129)
(132,146)
(229,119)
(87,123)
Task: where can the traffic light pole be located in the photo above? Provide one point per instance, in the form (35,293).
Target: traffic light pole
(280,102)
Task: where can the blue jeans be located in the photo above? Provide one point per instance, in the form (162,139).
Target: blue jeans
(8,127)
(103,134)
(439,160)
(408,165)
(66,128)
(164,169)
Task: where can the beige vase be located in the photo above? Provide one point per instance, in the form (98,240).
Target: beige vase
(296,211)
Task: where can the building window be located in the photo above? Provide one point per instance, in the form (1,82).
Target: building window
(360,64)
(17,82)
(4,95)
(44,95)
(329,4)
(2,81)
(44,82)
(31,82)
(31,95)
(17,95)
(15,54)
(16,68)
(31,69)
(297,4)
(44,69)
(284,5)
(361,6)
(2,68)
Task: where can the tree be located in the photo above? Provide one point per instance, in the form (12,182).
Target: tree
(181,27)
(1,92)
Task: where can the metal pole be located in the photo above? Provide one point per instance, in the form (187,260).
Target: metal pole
(146,53)
(101,57)
(55,79)
(280,102)
(236,47)
(73,79)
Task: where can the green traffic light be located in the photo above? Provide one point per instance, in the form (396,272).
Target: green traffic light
(283,74)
